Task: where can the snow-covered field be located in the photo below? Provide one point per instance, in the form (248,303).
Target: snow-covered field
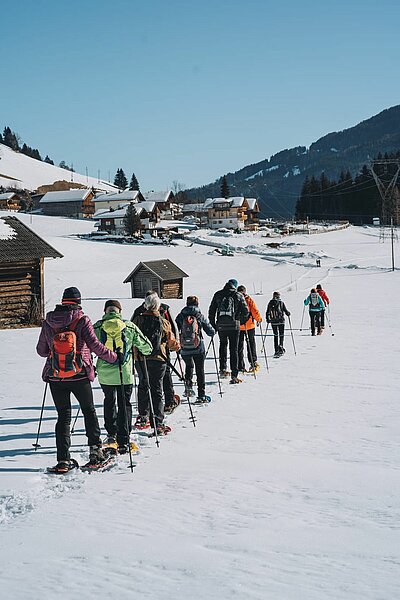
(288,488)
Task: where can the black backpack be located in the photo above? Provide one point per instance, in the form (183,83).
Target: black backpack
(151,326)
(276,311)
(226,312)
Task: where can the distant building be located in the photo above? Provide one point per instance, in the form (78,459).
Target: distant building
(232,213)
(163,276)
(165,202)
(22,254)
(117,200)
(77,203)
(113,220)
(9,201)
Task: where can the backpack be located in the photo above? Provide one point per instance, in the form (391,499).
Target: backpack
(65,360)
(314,300)
(151,326)
(226,312)
(113,336)
(275,311)
(190,333)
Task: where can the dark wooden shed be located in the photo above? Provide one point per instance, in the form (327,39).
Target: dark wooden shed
(22,255)
(163,276)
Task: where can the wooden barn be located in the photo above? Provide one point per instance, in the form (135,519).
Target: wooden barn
(163,276)
(22,255)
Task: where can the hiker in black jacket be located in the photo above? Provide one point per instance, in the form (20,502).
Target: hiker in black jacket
(228,310)
(276,311)
(171,400)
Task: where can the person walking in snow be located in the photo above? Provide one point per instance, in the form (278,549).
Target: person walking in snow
(171,399)
(275,314)
(248,333)
(228,310)
(114,332)
(191,322)
(316,307)
(326,302)
(70,370)
(159,332)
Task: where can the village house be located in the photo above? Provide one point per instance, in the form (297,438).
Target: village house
(22,254)
(117,200)
(165,202)
(77,203)
(232,213)
(9,201)
(113,220)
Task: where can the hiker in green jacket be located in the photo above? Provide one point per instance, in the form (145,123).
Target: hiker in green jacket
(120,336)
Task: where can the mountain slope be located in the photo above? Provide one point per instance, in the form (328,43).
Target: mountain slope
(277,182)
(22,172)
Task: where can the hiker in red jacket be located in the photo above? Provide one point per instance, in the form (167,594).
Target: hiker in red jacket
(326,302)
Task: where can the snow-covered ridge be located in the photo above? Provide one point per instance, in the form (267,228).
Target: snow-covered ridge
(23,172)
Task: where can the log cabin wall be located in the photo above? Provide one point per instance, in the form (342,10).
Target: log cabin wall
(21,293)
(172,289)
(144,280)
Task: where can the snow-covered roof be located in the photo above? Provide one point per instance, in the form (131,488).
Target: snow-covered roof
(194,208)
(7,196)
(65,196)
(252,203)
(125,196)
(159,196)
(120,213)
(234,202)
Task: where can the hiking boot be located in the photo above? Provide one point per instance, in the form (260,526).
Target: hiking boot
(319,332)
(96,455)
(110,440)
(189,390)
(163,429)
(63,466)
(203,399)
(235,380)
(123,449)
(223,373)
(142,422)
(254,369)
(169,408)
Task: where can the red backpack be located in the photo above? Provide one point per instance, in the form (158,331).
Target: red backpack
(190,336)
(65,359)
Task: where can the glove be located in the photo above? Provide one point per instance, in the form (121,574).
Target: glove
(258,323)
(288,314)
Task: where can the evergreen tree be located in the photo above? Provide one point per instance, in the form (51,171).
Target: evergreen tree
(132,222)
(224,188)
(120,180)
(10,139)
(48,160)
(134,184)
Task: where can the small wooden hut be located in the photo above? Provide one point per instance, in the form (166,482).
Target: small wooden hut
(163,276)
(22,255)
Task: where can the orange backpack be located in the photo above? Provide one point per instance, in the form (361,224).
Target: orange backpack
(65,359)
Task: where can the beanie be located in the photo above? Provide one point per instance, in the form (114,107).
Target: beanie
(114,303)
(319,287)
(276,295)
(71,295)
(233,282)
(241,289)
(192,301)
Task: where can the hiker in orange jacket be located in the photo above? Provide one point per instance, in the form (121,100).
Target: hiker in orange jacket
(326,302)
(249,329)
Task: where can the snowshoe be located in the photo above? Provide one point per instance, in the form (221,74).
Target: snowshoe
(96,463)
(202,400)
(63,467)
(236,380)
(161,430)
(142,422)
(189,391)
(254,369)
(169,408)
(224,374)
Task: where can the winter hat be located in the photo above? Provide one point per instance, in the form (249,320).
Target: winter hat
(319,287)
(241,289)
(276,294)
(113,303)
(313,291)
(152,302)
(71,295)
(192,301)
(234,282)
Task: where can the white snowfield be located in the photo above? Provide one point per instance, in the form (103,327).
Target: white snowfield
(23,172)
(287,488)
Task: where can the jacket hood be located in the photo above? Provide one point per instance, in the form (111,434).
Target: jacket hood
(112,315)
(193,311)
(63,315)
(229,287)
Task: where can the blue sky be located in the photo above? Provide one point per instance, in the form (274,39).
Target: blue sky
(186,90)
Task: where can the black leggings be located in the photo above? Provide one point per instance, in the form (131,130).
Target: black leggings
(61,392)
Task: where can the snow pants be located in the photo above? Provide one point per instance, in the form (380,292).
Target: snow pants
(231,336)
(279,335)
(61,392)
(156,370)
(315,321)
(251,348)
(118,422)
(197,361)
(168,387)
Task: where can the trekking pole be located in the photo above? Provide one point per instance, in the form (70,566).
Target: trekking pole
(263,344)
(36,445)
(127,424)
(171,366)
(328,315)
(291,332)
(151,401)
(75,420)
(302,317)
(208,347)
(246,335)
(135,387)
(178,355)
(216,367)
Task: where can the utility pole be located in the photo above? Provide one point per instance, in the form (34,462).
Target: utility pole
(386,183)
(392,238)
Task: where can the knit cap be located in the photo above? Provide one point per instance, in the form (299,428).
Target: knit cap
(114,303)
(71,295)
(234,282)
